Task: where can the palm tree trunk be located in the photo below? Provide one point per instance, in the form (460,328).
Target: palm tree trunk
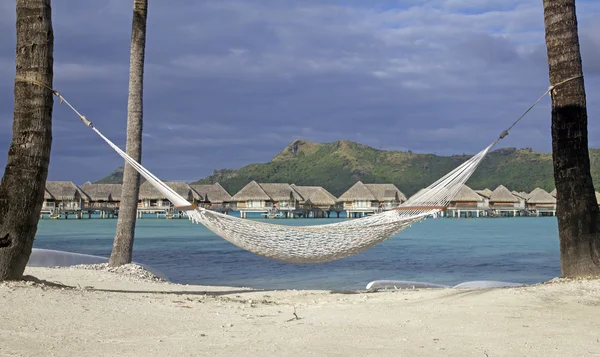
(577,209)
(123,243)
(24,180)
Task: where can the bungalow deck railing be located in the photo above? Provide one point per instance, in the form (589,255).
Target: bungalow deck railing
(48,206)
(70,205)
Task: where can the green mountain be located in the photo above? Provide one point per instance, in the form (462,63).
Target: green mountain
(114,177)
(338,165)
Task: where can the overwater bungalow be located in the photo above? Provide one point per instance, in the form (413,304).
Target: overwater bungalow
(485,194)
(285,199)
(553,193)
(504,203)
(467,202)
(102,194)
(104,197)
(541,203)
(49,205)
(388,195)
(64,197)
(150,200)
(317,201)
(359,201)
(522,196)
(213,197)
(252,198)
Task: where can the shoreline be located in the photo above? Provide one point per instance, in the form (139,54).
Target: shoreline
(102,313)
(437,251)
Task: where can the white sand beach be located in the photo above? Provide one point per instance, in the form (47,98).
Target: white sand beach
(100,313)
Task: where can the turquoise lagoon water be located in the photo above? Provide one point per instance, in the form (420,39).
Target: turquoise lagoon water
(445,251)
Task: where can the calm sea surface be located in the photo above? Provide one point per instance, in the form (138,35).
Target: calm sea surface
(446,251)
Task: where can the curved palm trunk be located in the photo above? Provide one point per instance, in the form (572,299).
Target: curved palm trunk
(123,243)
(577,209)
(24,180)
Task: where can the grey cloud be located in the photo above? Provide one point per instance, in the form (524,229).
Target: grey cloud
(590,49)
(230,82)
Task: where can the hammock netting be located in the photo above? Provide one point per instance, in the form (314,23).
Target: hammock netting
(317,243)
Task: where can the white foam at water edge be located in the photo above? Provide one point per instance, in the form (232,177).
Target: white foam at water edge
(402,284)
(55,258)
(406,284)
(486,284)
(48,258)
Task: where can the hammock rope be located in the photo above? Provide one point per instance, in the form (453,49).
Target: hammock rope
(316,243)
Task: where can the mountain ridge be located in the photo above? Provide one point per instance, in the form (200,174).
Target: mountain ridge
(338,165)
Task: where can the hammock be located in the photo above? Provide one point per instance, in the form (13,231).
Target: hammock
(318,243)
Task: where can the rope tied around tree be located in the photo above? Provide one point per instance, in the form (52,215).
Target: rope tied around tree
(548,91)
(57,94)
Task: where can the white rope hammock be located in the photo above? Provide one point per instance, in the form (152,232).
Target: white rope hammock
(318,243)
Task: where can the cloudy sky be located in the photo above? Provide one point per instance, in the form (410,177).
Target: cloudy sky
(232,82)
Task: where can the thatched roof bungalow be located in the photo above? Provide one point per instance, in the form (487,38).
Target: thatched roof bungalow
(360,198)
(540,202)
(522,196)
(540,197)
(103,194)
(485,193)
(386,193)
(501,197)
(148,192)
(49,201)
(151,197)
(466,197)
(502,194)
(48,196)
(316,197)
(65,191)
(372,196)
(282,194)
(252,196)
(466,202)
(553,193)
(321,198)
(214,194)
(65,195)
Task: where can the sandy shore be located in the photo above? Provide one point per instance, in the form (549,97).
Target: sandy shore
(101,313)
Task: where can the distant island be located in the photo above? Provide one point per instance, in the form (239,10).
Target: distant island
(338,165)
